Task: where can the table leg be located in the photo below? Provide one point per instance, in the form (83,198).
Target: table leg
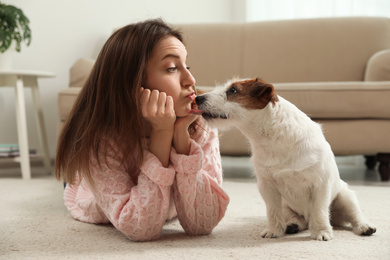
(41,127)
(20,108)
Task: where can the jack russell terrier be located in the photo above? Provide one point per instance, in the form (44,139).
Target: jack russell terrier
(295,167)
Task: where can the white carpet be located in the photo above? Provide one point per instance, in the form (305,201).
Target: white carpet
(34,224)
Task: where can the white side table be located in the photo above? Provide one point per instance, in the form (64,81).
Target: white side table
(20,79)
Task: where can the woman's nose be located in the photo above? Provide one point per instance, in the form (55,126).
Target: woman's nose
(188,80)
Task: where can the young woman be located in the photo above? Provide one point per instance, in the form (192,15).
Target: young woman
(130,151)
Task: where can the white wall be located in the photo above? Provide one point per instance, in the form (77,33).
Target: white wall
(260,10)
(63,31)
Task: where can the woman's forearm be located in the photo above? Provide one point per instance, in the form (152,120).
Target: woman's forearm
(160,145)
(181,142)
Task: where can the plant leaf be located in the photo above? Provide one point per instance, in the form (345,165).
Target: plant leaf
(14,25)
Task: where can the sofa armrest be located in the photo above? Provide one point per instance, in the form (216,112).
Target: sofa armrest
(79,72)
(378,67)
(66,99)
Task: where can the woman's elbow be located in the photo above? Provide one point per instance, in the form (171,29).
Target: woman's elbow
(142,235)
(201,229)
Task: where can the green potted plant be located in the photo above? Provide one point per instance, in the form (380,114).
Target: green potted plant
(14,29)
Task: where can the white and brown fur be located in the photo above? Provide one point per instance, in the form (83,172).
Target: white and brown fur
(295,167)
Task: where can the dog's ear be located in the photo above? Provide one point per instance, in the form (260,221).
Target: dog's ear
(264,92)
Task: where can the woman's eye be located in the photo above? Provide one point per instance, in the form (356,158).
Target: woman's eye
(171,69)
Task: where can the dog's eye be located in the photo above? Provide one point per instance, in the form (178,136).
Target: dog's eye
(232,90)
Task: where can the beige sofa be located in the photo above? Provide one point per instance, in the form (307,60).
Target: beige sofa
(337,70)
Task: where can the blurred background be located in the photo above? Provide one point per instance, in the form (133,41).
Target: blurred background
(63,31)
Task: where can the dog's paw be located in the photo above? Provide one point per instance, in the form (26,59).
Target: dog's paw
(322,235)
(272,233)
(364,230)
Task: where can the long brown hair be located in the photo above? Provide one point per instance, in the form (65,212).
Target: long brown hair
(108,105)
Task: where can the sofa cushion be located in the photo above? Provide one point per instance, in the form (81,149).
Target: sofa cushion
(325,49)
(214,51)
(339,100)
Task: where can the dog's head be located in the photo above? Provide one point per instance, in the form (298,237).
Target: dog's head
(234,100)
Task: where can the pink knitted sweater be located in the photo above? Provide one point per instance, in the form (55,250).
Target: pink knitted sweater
(190,188)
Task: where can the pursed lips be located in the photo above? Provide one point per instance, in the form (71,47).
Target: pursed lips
(192,96)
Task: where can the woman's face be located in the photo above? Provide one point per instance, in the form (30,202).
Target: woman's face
(167,72)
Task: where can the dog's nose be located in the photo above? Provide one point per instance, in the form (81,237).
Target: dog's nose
(200,99)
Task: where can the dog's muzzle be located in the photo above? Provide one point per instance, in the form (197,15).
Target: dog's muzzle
(206,114)
(200,100)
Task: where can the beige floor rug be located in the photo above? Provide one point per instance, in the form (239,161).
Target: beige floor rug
(34,224)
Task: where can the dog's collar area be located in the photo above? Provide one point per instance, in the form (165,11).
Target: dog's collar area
(208,116)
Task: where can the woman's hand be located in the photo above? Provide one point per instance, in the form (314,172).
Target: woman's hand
(181,136)
(158,109)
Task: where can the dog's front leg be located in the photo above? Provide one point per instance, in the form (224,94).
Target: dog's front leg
(273,201)
(319,220)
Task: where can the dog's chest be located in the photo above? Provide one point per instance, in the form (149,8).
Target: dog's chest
(293,187)
(289,182)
